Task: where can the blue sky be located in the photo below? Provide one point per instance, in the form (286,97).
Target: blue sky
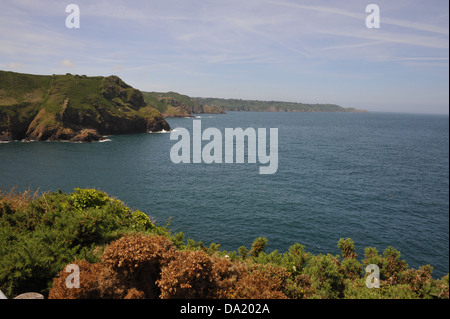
(302,51)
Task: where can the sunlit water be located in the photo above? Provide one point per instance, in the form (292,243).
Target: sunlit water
(380,179)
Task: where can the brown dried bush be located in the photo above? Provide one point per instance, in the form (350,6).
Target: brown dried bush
(135,262)
(89,288)
(227,275)
(188,276)
(195,274)
(17,200)
(261,282)
(131,252)
(150,267)
(129,269)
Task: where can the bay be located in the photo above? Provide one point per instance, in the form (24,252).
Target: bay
(379,178)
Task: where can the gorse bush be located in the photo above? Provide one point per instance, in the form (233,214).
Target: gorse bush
(40,235)
(86,198)
(121,253)
(128,268)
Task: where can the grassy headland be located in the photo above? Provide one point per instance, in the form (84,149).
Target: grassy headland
(82,108)
(272,106)
(72,107)
(173,104)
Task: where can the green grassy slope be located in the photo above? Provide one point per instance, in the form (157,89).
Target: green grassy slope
(59,107)
(172,104)
(272,106)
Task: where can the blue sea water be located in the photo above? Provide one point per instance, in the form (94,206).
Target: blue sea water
(381,179)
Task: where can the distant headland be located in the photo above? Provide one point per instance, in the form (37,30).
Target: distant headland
(172,104)
(79,108)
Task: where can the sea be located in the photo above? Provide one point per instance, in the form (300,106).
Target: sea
(381,179)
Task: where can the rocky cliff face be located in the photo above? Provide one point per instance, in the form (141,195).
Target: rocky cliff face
(172,104)
(72,107)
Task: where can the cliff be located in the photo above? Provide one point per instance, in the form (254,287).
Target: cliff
(272,106)
(72,107)
(172,104)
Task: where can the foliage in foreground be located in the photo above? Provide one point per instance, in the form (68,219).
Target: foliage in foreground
(122,254)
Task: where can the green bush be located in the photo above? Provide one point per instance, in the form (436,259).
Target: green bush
(85,198)
(141,221)
(39,236)
(295,259)
(356,289)
(347,246)
(325,276)
(258,246)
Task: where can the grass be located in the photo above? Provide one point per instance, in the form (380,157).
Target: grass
(32,104)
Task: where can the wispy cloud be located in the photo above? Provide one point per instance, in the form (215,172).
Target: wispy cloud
(267,46)
(15,66)
(66,63)
(391,37)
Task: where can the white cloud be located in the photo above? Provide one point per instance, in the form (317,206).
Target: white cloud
(399,38)
(117,67)
(67,63)
(15,66)
(268,43)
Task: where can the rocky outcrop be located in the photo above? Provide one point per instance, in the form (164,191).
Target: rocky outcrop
(71,107)
(172,104)
(209,109)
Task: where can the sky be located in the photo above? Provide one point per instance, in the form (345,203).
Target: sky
(284,50)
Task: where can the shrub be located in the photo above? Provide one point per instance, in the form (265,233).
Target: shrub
(443,284)
(141,221)
(188,276)
(243,252)
(85,198)
(347,246)
(295,259)
(356,289)
(258,246)
(195,274)
(421,282)
(129,269)
(261,282)
(45,233)
(122,254)
(392,265)
(89,288)
(299,287)
(325,276)
(138,260)
(351,268)
(372,257)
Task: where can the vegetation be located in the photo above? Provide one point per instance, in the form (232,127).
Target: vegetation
(121,253)
(60,107)
(272,106)
(172,104)
(63,107)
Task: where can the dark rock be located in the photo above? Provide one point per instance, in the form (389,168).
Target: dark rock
(87,135)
